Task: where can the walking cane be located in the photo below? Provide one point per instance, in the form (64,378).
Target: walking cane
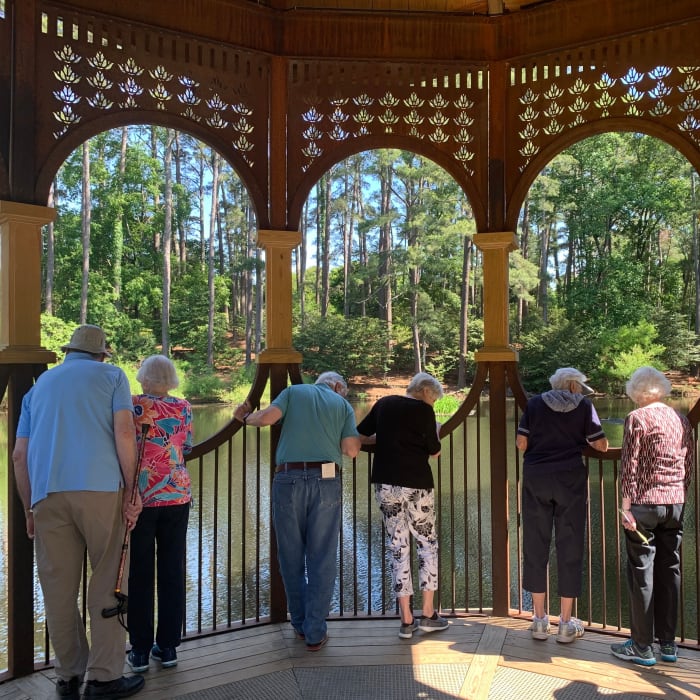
(122,600)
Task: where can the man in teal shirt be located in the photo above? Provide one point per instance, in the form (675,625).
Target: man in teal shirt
(318,428)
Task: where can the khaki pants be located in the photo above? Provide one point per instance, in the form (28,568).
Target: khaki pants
(66,523)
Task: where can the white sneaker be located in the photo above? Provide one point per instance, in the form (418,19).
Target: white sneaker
(540,627)
(569,631)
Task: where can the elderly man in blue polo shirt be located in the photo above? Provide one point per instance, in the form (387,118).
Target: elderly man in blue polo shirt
(553,432)
(75,464)
(318,428)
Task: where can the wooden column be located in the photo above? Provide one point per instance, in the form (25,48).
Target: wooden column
(495,248)
(21,359)
(497,353)
(278,246)
(20,283)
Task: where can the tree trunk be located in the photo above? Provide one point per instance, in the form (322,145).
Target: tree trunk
(326,246)
(212,256)
(86,209)
(181,249)
(167,240)
(464,313)
(385,245)
(50,254)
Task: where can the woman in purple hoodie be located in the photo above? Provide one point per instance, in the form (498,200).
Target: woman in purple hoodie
(554,430)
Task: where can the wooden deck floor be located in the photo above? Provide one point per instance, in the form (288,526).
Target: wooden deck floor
(476,658)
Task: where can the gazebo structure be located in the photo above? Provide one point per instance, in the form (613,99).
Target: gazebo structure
(489,90)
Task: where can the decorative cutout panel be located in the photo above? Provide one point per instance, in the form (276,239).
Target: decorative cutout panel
(99,67)
(444,106)
(553,95)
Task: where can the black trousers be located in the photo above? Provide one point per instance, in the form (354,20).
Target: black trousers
(654,572)
(164,527)
(559,500)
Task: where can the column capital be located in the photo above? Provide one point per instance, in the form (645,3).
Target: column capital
(278,238)
(26,213)
(498,240)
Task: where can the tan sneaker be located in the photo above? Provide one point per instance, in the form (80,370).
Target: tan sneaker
(540,628)
(570,631)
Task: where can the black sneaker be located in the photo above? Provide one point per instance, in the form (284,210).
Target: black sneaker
(138,660)
(167,656)
(669,651)
(69,689)
(408,628)
(433,624)
(123,687)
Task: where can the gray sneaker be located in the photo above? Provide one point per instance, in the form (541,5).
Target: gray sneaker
(569,631)
(433,624)
(408,628)
(629,651)
(540,628)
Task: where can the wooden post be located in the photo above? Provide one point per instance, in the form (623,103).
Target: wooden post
(497,352)
(21,359)
(20,283)
(495,248)
(278,246)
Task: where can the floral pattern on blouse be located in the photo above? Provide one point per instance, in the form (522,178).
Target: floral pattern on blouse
(163,479)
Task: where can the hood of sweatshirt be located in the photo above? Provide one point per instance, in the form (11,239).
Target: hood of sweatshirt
(561,401)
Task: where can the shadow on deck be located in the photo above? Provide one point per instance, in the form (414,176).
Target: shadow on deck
(475,658)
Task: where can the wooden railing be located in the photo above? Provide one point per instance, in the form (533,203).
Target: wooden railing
(232,576)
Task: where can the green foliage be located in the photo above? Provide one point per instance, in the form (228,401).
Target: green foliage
(627,361)
(349,346)
(204,387)
(445,406)
(130,339)
(55,332)
(559,344)
(680,343)
(608,227)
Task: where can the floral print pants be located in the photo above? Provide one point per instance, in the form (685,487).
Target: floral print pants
(407,512)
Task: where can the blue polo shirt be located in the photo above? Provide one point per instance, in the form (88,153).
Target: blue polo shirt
(558,426)
(68,416)
(314,421)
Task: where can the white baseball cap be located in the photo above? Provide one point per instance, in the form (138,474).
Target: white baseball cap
(561,378)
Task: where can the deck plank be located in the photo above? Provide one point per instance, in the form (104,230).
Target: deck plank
(475,649)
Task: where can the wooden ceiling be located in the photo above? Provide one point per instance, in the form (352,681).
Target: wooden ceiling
(467,7)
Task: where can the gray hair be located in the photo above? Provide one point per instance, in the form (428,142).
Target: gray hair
(158,372)
(330,379)
(647,384)
(425,382)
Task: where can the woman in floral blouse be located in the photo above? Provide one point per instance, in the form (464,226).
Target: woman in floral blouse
(164,484)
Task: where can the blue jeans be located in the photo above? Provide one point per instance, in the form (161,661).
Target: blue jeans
(306,516)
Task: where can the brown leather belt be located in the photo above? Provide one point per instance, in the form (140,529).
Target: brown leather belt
(286,466)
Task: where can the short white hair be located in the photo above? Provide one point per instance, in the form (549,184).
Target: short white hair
(331,379)
(158,372)
(647,384)
(425,382)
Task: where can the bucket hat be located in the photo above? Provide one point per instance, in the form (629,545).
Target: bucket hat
(564,375)
(87,338)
